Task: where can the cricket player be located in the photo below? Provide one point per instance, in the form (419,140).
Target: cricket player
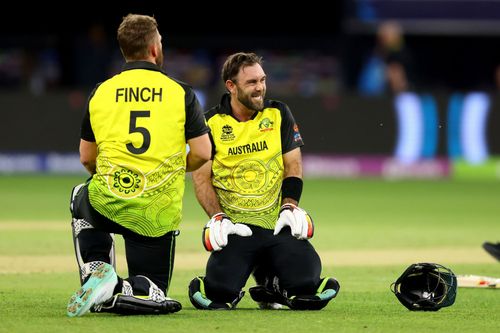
(251,190)
(133,143)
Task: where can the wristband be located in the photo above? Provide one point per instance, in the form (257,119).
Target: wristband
(291,188)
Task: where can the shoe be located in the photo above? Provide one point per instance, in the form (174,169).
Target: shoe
(265,292)
(266,298)
(134,305)
(327,290)
(196,292)
(493,249)
(126,303)
(98,289)
(330,288)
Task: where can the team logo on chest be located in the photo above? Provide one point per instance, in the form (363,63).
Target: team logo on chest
(266,125)
(227,133)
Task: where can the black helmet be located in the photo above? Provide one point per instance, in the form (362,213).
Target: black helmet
(426,287)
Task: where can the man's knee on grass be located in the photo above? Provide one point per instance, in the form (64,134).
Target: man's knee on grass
(327,290)
(199,299)
(272,293)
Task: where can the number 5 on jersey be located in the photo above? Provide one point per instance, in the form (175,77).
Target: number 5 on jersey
(133,128)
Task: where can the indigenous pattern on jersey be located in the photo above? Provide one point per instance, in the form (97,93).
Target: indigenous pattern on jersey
(140,120)
(248,164)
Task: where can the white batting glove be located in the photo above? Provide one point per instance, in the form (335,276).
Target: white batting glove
(299,221)
(218,228)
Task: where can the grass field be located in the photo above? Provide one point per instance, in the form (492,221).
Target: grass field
(367,233)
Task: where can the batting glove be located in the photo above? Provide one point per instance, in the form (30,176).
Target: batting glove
(218,228)
(299,221)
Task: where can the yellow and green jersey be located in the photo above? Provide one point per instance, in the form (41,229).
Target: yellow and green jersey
(140,120)
(247,160)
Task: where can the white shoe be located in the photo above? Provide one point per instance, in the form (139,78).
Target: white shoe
(97,290)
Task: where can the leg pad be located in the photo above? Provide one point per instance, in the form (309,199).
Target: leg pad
(132,305)
(128,303)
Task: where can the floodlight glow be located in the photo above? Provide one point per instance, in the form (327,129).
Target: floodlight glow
(410,127)
(473,127)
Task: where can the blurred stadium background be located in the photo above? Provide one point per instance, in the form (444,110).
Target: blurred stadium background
(447,125)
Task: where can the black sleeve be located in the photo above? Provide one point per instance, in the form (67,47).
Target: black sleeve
(86,132)
(195,121)
(290,135)
(213,145)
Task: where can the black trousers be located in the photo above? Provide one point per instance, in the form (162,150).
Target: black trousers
(152,257)
(295,262)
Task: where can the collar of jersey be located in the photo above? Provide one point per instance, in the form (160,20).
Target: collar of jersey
(141,65)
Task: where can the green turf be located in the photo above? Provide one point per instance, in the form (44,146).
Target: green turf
(37,303)
(349,215)
(487,170)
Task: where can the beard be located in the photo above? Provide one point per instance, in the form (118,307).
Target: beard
(248,102)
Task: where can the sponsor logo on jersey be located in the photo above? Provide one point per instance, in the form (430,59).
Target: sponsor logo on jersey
(266,125)
(248,148)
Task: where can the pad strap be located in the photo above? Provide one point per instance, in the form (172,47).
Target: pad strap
(79,225)
(88,268)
